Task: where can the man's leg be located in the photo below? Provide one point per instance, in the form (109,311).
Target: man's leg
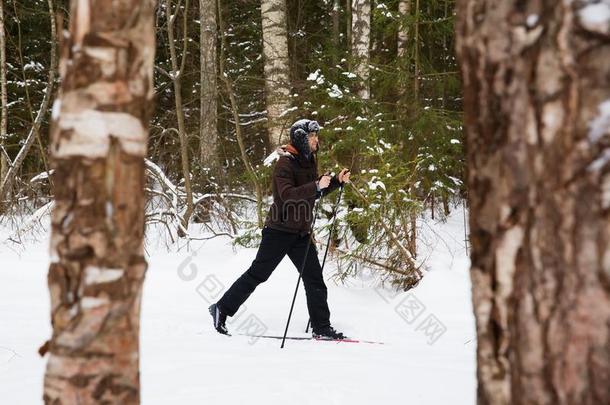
(273,248)
(315,289)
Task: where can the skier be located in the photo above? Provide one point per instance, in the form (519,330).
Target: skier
(296,186)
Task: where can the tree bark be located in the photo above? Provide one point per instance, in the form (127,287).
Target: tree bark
(277,81)
(404,9)
(416,51)
(98,145)
(336,18)
(348,17)
(176,76)
(361,39)
(536,88)
(3,98)
(208,132)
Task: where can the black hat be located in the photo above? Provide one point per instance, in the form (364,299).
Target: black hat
(298,135)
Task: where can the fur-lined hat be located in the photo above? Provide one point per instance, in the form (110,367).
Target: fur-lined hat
(298,135)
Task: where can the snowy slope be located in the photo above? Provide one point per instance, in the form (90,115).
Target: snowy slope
(428,356)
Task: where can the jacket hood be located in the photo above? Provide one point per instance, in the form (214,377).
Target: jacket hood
(288,149)
(291,152)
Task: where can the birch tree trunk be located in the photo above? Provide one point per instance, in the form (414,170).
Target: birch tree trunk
(208,133)
(3,99)
(361,39)
(537,116)
(404,9)
(277,81)
(98,144)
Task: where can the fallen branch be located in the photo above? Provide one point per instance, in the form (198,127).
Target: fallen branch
(391,235)
(30,222)
(373,262)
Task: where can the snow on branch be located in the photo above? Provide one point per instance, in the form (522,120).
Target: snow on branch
(30,223)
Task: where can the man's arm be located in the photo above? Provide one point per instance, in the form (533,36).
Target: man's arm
(335,183)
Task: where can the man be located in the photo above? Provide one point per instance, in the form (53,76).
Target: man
(296,186)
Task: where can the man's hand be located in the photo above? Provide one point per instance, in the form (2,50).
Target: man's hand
(343,177)
(324,182)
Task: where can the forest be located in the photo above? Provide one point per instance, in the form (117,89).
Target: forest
(228,86)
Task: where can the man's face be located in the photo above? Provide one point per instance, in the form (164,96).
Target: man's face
(312,138)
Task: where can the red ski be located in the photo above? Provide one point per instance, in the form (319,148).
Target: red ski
(348,340)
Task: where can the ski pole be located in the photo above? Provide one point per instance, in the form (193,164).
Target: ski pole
(330,234)
(296,290)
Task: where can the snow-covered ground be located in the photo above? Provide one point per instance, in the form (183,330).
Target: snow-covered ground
(429,334)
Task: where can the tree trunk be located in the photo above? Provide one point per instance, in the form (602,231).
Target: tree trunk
(26,86)
(176,75)
(208,133)
(3,98)
(413,234)
(348,17)
(402,52)
(404,9)
(361,39)
(98,144)
(277,81)
(536,89)
(336,16)
(416,52)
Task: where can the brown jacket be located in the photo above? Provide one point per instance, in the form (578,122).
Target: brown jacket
(294,192)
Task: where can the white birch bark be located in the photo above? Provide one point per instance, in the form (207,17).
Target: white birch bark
(3,96)
(277,81)
(361,39)
(98,144)
(536,120)
(404,9)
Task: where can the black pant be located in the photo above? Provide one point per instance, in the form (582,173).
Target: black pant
(274,246)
